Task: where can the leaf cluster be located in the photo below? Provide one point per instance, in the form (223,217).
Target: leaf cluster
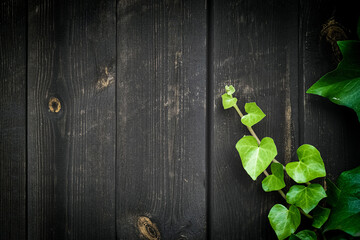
(257,155)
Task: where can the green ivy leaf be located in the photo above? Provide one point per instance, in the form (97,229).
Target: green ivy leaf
(342,85)
(346,213)
(254,115)
(305,198)
(230,90)
(228,101)
(275,181)
(333,193)
(349,182)
(255,159)
(303,235)
(320,216)
(284,221)
(309,167)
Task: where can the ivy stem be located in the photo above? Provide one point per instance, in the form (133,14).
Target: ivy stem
(274,160)
(257,139)
(253,133)
(305,214)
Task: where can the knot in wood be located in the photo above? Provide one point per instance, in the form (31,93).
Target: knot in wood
(54,105)
(148,229)
(333,32)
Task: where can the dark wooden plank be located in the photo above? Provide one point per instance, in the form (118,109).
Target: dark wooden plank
(255,48)
(71,154)
(333,129)
(13,119)
(161,119)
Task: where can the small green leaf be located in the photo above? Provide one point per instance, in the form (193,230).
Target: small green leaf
(228,101)
(309,167)
(342,85)
(333,193)
(345,216)
(320,216)
(230,89)
(275,181)
(305,198)
(284,221)
(255,159)
(254,115)
(303,235)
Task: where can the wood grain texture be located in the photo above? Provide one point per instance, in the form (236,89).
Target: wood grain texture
(71,153)
(161,119)
(126,137)
(13,119)
(255,46)
(331,128)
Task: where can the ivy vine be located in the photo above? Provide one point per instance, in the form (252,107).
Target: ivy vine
(303,198)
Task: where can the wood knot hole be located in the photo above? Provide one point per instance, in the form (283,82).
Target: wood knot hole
(54,105)
(333,31)
(148,229)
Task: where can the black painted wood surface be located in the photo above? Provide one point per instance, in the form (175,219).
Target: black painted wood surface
(71,119)
(161,100)
(111,123)
(13,119)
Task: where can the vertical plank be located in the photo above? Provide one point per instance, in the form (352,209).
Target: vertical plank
(161,119)
(71,121)
(255,48)
(333,129)
(13,119)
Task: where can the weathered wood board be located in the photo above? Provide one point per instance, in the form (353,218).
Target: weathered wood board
(255,47)
(161,107)
(71,119)
(13,119)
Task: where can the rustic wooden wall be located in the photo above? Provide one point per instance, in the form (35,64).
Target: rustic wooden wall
(111,122)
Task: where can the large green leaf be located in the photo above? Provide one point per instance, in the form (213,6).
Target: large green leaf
(255,114)
(320,216)
(333,193)
(349,182)
(345,216)
(309,167)
(275,181)
(305,198)
(284,221)
(256,158)
(303,235)
(342,86)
